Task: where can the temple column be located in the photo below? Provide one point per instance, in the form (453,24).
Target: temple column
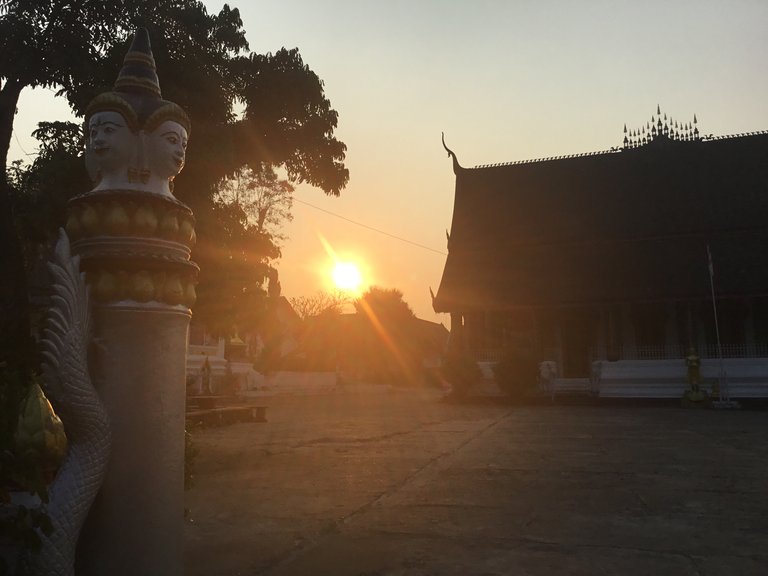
(456,346)
(603,335)
(628,332)
(671,336)
(750,342)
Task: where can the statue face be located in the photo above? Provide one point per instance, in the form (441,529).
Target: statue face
(112,143)
(166,149)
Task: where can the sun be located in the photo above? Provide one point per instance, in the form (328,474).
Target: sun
(346,276)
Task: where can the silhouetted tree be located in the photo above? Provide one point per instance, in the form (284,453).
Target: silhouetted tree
(204,65)
(388,341)
(265,198)
(321,302)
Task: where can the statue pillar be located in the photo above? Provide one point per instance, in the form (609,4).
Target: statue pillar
(134,239)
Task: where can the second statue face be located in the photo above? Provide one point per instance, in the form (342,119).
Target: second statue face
(166,149)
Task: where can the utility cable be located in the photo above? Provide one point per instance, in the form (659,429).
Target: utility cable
(18,143)
(401,239)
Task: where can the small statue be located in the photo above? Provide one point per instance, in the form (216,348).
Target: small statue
(693,362)
(205,374)
(695,395)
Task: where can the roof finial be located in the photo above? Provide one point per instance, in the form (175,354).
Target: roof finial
(456,165)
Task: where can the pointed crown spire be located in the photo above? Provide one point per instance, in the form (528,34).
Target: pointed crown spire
(139,74)
(136,93)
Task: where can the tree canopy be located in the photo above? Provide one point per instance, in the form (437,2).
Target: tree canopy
(322,302)
(266,199)
(204,65)
(387,341)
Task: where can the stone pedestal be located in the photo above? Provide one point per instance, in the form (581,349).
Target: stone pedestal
(135,250)
(136,523)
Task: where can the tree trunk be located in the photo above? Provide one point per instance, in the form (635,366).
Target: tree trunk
(15,336)
(9,99)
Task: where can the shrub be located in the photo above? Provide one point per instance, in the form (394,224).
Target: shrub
(461,372)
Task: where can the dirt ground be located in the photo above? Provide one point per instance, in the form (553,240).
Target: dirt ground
(375,481)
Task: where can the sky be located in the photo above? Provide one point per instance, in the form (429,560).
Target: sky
(504,80)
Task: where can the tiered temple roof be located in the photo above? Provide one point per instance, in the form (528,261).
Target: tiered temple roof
(630,224)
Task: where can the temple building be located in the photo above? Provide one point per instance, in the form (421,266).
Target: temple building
(606,256)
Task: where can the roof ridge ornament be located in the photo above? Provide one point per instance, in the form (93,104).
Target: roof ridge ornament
(662,127)
(451,154)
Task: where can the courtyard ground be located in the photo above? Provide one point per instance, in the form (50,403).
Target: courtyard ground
(376,481)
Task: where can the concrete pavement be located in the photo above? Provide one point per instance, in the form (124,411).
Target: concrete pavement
(376,481)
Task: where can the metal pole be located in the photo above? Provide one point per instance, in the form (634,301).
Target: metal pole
(723,380)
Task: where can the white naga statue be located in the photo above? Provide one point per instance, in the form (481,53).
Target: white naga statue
(133,239)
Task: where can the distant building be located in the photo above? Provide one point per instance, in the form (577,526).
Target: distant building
(402,350)
(234,357)
(603,256)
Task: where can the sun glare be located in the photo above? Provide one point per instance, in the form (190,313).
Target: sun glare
(346,276)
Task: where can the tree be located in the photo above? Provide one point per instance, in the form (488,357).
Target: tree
(49,44)
(386,305)
(204,65)
(265,198)
(38,193)
(388,335)
(322,302)
(40,190)
(57,43)
(231,289)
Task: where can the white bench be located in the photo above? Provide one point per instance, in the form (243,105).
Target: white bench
(641,378)
(747,377)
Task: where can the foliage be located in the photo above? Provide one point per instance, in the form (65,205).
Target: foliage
(42,189)
(269,359)
(461,372)
(20,470)
(322,302)
(386,303)
(20,524)
(289,121)
(20,529)
(234,264)
(388,344)
(204,65)
(266,199)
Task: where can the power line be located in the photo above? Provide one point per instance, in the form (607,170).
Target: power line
(370,227)
(18,143)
